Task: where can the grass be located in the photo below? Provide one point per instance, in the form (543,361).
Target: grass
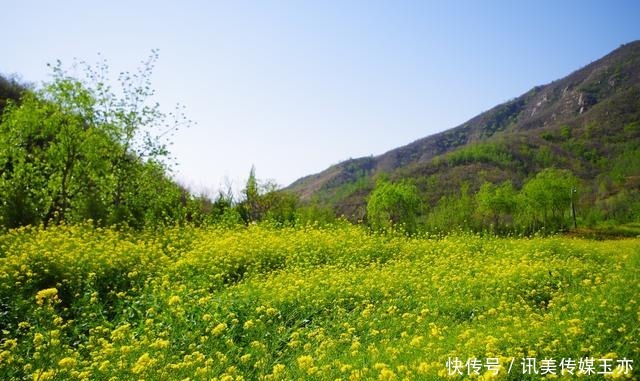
(307,303)
(606,231)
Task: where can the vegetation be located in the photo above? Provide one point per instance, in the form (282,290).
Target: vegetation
(75,151)
(547,197)
(10,89)
(496,204)
(265,202)
(486,152)
(393,205)
(72,152)
(79,302)
(587,123)
(111,270)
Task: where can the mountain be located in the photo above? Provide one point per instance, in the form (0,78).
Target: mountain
(587,122)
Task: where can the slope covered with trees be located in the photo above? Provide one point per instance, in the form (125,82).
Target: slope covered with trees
(587,123)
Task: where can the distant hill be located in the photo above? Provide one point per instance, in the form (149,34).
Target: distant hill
(10,88)
(587,122)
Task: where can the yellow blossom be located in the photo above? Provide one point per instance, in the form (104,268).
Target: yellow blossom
(218,329)
(47,294)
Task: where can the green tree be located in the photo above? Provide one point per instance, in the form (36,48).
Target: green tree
(265,201)
(453,211)
(313,212)
(546,199)
(47,153)
(140,130)
(74,150)
(251,206)
(496,204)
(393,204)
(280,206)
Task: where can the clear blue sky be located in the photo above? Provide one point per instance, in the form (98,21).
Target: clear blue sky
(295,86)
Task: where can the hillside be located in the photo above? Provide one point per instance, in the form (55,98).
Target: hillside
(587,122)
(10,89)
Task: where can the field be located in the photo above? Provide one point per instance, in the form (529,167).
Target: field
(313,303)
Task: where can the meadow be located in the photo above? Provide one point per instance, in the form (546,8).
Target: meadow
(312,303)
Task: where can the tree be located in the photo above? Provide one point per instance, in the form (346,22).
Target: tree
(314,212)
(546,199)
(43,140)
(140,130)
(74,150)
(453,211)
(496,204)
(265,201)
(393,204)
(279,206)
(252,207)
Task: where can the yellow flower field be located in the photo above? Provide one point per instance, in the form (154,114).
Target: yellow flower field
(313,303)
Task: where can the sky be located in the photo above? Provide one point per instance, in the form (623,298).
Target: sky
(292,87)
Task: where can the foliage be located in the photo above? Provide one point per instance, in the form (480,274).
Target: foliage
(79,302)
(264,202)
(253,209)
(313,212)
(393,205)
(485,152)
(587,123)
(73,150)
(495,204)
(452,212)
(547,199)
(11,89)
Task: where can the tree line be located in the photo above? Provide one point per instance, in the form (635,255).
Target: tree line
(548,202)
(78,149)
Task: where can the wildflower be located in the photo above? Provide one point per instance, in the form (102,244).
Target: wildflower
(38,339)
(67,362)
(10,344)
(305,362)
(43,375)
(47,294)
(434,330)
(386,374)
(104,366)
(6,357)
(278,369)
(143,363)
(160,343)
(24,325)
(121,332)
(218,329)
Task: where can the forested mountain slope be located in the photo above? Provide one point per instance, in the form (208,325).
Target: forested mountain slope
(587,122)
